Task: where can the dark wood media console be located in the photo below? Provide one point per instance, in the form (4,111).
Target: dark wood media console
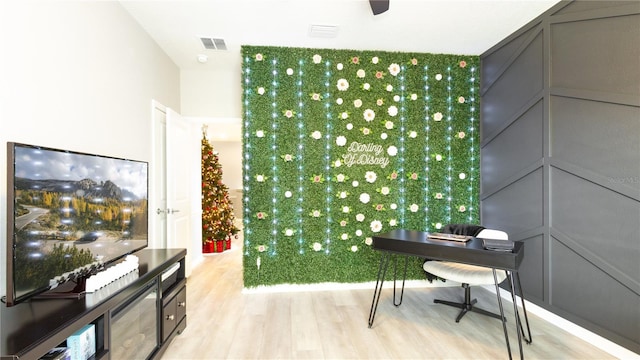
(29,330)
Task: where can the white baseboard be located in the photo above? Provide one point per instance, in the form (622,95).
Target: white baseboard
(566,325)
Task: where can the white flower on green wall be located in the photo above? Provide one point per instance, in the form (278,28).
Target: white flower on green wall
(438,157)
(259,57)
(368,241)
(364,198)
(287,157)
(365,131)
(358,232)
(355,183)
(389,88)
(288,113)
(288,194)
(343,194)
(354,248)
(414,97)
(374,60)
(392,110)
(260,90)
(383,136)
(357,103)
(341,178)
(315,96)
(260,133)
(349,126)
(317,59)
(388,124)
(341,140)
(462,208)
(394,69)
(366,86)
(437,116)
(316,135)
(260,178)
(288,232)
(316,246)
(413,208)
(413,134)
(384,190)
(339,66)
(461,135)
(344,236)
(342,84)
(339,101)
(380,102)
(438,77)
(438,196)
(315,213)
(461,99)
(392,150)
(376,226)
(344,115)
(289,71)
(360,73)
(462,176)
(346,209)
(370,176)
(393,222)
(360,217)
(393,206)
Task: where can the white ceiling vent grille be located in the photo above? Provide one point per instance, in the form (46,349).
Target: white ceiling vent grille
(323,31)
(213,43)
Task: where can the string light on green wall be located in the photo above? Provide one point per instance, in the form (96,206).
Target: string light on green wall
(299,159)
(427,158)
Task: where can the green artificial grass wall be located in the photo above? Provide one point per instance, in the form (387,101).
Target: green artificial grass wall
(340,145)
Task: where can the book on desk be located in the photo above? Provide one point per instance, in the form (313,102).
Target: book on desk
(449,237)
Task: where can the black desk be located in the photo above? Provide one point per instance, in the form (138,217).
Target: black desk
(417,243)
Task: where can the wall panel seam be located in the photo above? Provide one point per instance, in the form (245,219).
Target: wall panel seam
(515,117)
(512,179)
(596,261)
(507,64)
(596,179)
(623,10)
(598,96)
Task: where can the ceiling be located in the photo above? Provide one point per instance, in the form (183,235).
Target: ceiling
(467,27)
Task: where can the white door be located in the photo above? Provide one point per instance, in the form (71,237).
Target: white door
(158,194)
(179,172)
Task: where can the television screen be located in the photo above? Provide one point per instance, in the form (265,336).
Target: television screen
(69,211)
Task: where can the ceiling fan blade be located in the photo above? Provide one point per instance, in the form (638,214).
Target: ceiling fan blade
(379,6)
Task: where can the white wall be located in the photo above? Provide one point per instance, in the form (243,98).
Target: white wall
(78,76)
(214,94)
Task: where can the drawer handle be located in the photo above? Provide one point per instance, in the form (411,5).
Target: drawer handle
(170,317)
(182,303)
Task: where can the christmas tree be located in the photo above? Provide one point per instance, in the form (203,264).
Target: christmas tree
(218,225)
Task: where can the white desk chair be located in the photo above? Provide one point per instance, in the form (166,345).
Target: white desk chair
(468,275)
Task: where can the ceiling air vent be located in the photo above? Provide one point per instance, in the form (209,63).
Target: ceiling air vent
(213,43)
(323,31)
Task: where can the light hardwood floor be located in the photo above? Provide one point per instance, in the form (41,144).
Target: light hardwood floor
(225,323)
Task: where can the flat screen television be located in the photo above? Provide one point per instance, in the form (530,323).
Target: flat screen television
(69,214)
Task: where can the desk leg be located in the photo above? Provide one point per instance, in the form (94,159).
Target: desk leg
(528,340)
(504,319)
(395,276)
(382,271)
(515,312)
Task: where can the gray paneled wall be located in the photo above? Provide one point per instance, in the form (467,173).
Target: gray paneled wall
(560,166)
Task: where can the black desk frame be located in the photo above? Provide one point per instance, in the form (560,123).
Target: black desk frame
(416,243)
